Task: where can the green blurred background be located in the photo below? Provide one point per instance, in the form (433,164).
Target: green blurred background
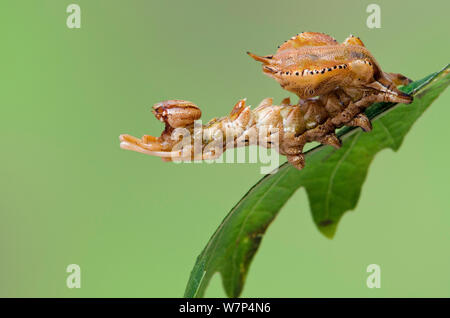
(135,224)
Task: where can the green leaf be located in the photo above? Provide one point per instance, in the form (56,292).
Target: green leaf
(332,179)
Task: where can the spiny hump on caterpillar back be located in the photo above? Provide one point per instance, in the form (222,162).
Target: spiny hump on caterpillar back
(353,40)
(307,39)
(241,114)
(297,41)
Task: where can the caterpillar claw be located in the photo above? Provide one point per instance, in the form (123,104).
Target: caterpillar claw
(298,161)
(362,121)
(331,140)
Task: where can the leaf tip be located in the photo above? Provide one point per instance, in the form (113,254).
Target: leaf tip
(327,228)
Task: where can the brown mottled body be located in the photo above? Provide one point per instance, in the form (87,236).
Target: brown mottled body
(334,81)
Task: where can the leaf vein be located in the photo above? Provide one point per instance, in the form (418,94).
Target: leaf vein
(333,174)
(248,215)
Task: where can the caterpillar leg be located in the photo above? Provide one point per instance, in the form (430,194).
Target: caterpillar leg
(336,102)
(387,91)
(325,132)
(331,140)
(352,114)
(362,121)
(298,161)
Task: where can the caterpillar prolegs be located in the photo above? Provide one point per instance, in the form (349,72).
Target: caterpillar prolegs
(285,127)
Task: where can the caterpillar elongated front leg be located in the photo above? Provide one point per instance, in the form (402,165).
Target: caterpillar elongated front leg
(362,121)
